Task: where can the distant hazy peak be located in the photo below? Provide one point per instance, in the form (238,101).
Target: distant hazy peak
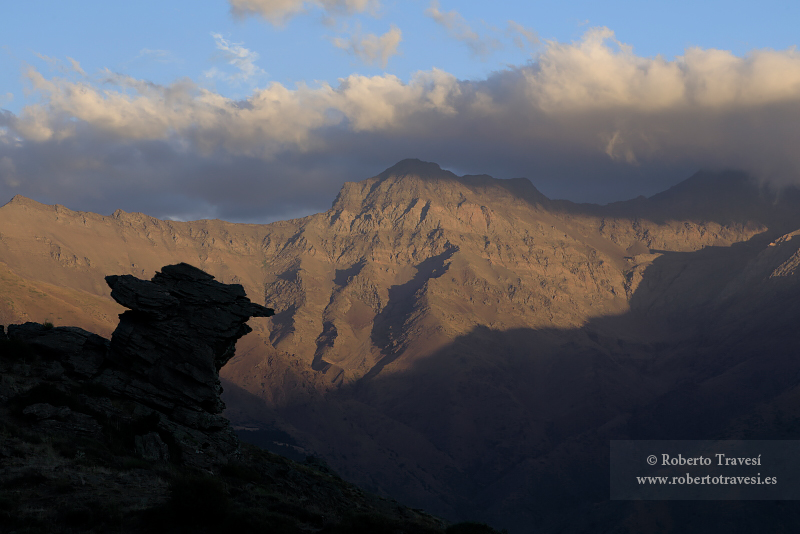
(705,182)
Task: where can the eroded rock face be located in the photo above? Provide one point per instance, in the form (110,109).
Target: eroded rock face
(155,385)
(181,329)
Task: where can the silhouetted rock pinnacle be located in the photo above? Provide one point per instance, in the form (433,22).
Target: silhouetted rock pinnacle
(181,329)
(161,366)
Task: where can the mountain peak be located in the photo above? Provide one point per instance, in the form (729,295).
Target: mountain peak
(411,180)
(704,184)
(416,167)
(725,196)
(23,201)
(19,200)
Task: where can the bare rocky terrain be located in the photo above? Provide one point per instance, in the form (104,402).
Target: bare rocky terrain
(467,345)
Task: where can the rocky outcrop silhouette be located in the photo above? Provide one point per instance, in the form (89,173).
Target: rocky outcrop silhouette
(125,435)
(157,380)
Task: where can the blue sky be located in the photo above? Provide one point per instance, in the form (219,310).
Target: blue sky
(164,106)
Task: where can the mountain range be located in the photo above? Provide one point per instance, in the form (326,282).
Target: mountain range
(468,346)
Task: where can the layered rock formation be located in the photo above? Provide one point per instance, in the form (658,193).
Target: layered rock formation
(159,375)
(181,329)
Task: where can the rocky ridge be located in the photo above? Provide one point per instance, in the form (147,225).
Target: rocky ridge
(407,260)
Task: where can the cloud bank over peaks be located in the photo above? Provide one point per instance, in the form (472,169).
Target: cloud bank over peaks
(583,115)
(278,11)
(600,72)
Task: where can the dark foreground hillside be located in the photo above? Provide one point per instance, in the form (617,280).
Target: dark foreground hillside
(125,435)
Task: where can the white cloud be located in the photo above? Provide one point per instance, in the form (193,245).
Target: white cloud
(159,56)
(236,55)
(53,62)
(458,29)
(522,37)
(278,11)
(370,48)
(56,64)
(76,66)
